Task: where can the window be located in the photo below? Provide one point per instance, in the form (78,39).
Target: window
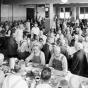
(66,14)
(86,9)
(67,9)
(83,13)
(81,10)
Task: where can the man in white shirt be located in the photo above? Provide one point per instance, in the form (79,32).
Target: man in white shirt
(43,37)
(36,29)
(16,80)
(2,76)
(19,33)
(28,26)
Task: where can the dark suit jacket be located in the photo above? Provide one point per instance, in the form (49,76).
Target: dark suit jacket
(47,52)
(12,46)
(79,63)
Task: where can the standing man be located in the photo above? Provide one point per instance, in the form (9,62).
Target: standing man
(35,30)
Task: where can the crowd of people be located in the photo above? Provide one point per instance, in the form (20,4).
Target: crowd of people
(64,48)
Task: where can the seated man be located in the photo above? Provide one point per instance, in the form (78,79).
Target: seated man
(23,47)
(47,51)
(58,61)
(2,76)
(37,56)
(75,81)
(45,76)
(15,80)
(79,61)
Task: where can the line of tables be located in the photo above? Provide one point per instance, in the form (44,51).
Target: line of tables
(58,78)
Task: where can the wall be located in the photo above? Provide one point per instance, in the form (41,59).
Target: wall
(0,10)
(19,13)
(9,12)
(41,12)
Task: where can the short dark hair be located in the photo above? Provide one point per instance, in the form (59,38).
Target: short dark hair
(46,74)
(12,31)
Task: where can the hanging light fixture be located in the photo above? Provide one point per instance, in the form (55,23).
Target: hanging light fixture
(64,1)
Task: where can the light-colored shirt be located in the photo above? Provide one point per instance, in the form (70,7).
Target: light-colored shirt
(36,30)
(43,86)
(40,85)
(23,46)
(42,57)
(44,38)
(19,35)
(12,79)
(85,46)
(2,77)
(28,26)
(64,61)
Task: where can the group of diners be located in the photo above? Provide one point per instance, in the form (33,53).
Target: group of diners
(64,48)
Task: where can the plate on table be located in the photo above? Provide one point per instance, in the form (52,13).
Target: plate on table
(30,64)
(36,71)
(53,81)
(29,68)
(35,65)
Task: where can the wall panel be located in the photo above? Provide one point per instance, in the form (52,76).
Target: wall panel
(16,12)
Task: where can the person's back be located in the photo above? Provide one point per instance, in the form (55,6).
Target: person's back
(79,63)
(2,77)
(43,86)
(47,52)
(12,47)
(45,76)
(14,81)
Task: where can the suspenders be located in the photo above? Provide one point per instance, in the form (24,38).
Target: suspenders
(15,83)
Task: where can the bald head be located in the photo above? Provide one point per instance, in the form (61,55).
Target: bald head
(57,50)
(79,46)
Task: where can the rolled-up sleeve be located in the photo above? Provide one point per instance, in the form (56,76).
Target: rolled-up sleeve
(30,57)
(51,59)
(42,57)
(64,64)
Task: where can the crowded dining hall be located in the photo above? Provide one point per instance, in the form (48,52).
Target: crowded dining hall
(43,44)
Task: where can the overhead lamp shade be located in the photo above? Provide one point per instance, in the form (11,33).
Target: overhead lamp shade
(64,1)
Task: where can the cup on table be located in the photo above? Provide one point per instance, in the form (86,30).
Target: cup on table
(37,79)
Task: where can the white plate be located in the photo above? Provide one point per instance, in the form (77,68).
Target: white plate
(29,68)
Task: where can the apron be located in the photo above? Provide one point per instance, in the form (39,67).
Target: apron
(57,64)
(36,59)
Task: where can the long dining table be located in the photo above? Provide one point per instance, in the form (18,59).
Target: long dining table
(58,79)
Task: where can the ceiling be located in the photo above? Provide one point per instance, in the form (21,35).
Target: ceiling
(41,1)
